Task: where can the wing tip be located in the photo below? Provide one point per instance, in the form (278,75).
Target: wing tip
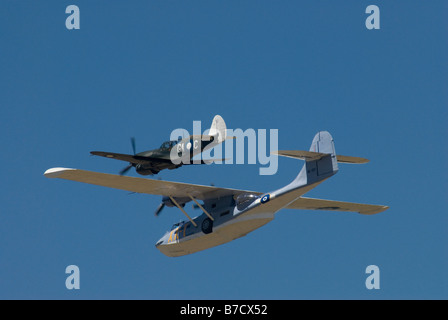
(56,172)
(103,154)
(376,210)
(351,160)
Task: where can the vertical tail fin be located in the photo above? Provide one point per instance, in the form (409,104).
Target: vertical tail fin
(323,143)
(218,128)
(322,166)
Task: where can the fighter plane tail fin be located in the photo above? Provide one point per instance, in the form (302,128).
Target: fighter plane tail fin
(218,128)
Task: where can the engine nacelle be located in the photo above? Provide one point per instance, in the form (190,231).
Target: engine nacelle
(181,201)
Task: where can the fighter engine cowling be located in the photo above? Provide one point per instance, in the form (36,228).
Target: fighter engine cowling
(143,171)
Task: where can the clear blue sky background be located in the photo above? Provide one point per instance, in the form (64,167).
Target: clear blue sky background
(144,68)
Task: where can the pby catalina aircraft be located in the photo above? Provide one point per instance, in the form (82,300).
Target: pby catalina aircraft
(229,214)
(153,161)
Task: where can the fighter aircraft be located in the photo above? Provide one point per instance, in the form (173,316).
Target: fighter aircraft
(171,154)
(229,214)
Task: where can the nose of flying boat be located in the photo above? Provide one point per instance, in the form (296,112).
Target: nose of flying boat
(162,241)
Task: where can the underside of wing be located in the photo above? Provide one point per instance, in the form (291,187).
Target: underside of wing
(136,159)
(320,204)
(142,185)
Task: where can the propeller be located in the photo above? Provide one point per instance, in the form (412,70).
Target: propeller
(133,145)
(125,170)
(159,209)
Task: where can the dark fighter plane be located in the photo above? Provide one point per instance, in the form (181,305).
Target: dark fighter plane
(171,154)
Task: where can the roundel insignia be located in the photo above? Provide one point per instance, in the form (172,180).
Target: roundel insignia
(265,198)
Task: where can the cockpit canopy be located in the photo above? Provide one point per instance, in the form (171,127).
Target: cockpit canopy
(167,145)
(245,199)
(177,225)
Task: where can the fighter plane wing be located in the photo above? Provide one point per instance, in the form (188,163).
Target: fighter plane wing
(127,157)
(319,204)
(142,185)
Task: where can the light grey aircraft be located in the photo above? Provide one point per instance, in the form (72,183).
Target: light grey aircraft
(229,214)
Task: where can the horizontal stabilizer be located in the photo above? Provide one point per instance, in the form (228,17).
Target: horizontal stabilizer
(320,204)
(349,159)
(207,137)
(300,154)
(204,137)
(311,156)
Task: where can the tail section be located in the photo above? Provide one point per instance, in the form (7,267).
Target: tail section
(320,162)
(323,143)
(218,129)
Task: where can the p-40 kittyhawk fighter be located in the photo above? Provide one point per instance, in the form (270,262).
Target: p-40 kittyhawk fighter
(171,154)
(229,214)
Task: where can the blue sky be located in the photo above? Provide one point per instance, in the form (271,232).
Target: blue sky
(144,68)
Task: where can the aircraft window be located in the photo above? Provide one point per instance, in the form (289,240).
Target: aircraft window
(176,225)
(165,145)
(244,200)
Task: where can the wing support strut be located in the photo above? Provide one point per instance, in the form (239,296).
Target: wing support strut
(202,208)
(184,212)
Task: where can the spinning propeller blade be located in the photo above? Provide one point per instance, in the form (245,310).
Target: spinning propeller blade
(125,170)
(133,145)
(159,209)
(122,172)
